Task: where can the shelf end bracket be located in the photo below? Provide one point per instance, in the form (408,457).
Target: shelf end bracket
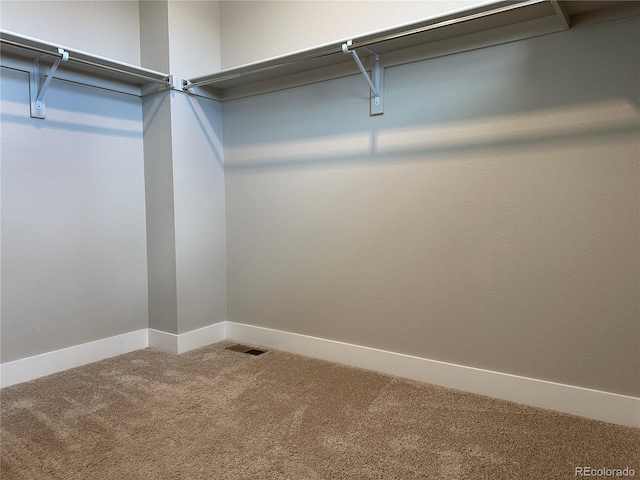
(39,83)
(375,85)
(186,85)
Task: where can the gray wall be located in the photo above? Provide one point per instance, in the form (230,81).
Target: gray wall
(184,171)
(251,31)
(199,195)
(74,258)
(489,218)
(186,236)
(73,217)
(198,170)
(194,32)
(74,226)
(108,28)
(160,209)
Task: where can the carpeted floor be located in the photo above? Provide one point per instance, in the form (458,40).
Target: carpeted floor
(218,414)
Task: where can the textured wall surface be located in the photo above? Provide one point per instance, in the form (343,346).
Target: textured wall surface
(194,30)
(107,28)
(160,212)
(199,193)
(74,266)
(184,169)
(489,218)
(252,31)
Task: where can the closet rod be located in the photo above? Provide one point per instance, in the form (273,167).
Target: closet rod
(29,47)
(52,53)
(164,81)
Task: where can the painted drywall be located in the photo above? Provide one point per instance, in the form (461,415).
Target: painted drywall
(181,37)
(199,200)
(198,169)
(107,28)
(186,231)
(194,30)
(251,31)
(490,217)
(154,35)
(184,171)
(160,212)
(73,217)
(158,172)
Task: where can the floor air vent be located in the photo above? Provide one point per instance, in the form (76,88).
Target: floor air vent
(245,349)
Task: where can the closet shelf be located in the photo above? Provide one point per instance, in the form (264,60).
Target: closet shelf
(24,47)
(267,75)
(454,24)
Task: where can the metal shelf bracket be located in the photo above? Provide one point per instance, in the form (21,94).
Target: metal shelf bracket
(39,82)
(186,85)
(377,72)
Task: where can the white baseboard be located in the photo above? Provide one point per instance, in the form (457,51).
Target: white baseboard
(37,366)
(167,342)
(177,344)
(605,406)
(30,368)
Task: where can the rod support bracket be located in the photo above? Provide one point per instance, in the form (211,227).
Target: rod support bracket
(375,84)
(39,82)
(186,85)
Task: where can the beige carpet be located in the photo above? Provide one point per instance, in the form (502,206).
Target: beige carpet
(218,414)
